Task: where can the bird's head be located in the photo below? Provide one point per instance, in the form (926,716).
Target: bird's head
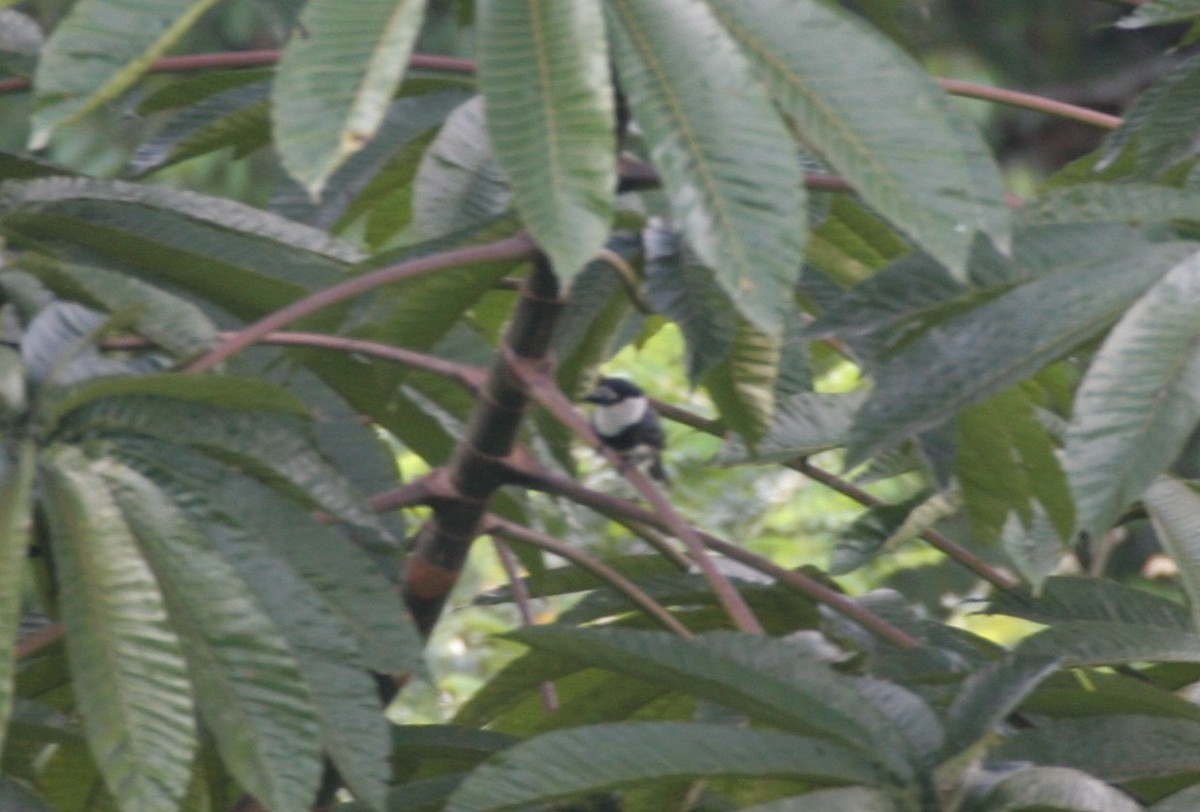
(613,390)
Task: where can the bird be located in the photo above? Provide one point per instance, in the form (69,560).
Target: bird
(625,421)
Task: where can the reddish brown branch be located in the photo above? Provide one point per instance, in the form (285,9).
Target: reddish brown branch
(544,390)
(521,597)
(951,548)
(1029,101)
(40,640)
(518,247)
(624,511)
(511,530)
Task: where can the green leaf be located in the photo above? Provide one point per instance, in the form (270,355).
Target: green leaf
(251,691)
(127,662)
(344,695)
(544,73)
(174,323)
(725,156)
(1157,129)
(17,468)
(742,385)
(353,588)
(276,448)
(1183,801)
(600,757)
(852,243)
(239,120)
(797,693)
(988,696)
(867,535)
(1057,788)
(379,176)
(1139,401)
(1113,203)
(836,76)
(1174,507)
(243,259)
(1089,642)
(98,51)
(1008,338)
(335,81)
(1005,464)
(685,291)
(1101,746)
(459,185)
(591,327)
(804,423)
(227,391)
(1160,12)
(1067,599)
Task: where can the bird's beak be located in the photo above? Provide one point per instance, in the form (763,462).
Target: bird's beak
(592,397)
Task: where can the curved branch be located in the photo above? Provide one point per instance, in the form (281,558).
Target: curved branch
(1029,101)
(623,511)
(517,247)
(951,548)
(542,388)
(521,597)
(496,525)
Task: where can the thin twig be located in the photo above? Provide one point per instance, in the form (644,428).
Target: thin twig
(521,596)
(1029,101)
(511,530)
(954,550)
(543,389)
(623,511)
(517,247)
(951,548)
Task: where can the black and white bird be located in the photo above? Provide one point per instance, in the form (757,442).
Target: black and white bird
(627,423)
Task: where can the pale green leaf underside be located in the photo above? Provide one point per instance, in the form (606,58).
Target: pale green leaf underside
(1059,788)
(601,757)
(127,662)
(878,119)
(1139,400)
(544,73)
(336,79)
(727,161)
(98,51)
(250,689)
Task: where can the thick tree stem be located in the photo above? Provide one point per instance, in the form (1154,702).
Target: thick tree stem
(478,468)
